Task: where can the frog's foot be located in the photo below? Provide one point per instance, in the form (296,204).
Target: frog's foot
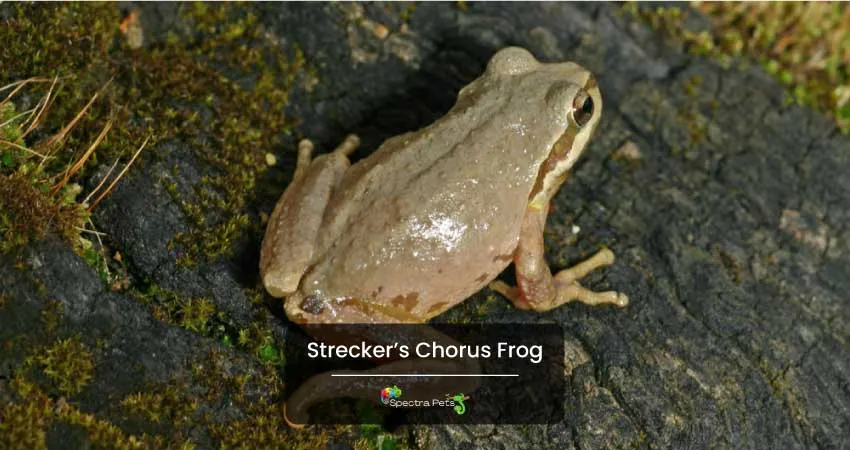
(568,289)
(564,287)
(575,291)
(305,153)
(564,294)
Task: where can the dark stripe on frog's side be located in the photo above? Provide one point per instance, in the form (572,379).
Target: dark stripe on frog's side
(560,151)
(590,83)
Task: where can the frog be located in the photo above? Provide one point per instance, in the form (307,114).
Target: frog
(435,215)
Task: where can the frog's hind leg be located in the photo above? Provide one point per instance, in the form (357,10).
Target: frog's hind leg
(537,289)
(293,227)
(379,325)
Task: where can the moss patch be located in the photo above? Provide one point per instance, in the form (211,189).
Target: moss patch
(69,364)
(28,212)
(805,46)
(221,90)
(169,404)
(26,420)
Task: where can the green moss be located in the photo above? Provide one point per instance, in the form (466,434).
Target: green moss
(23,424)
(26,420)
(46,33)
(247,122)
(51,316)
(373,437)
(69,364)
(11,121)
(93,256)
(195,314)
(407,13)
(170,405)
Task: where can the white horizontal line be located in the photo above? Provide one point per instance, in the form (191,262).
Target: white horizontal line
(424,375)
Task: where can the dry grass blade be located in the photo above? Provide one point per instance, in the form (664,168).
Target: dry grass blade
(99,185)
(29,111)
(18,85)
(97,234)
(22,148)
(60,136)
(86,230)
(80,162)
(121,174)
(47,101)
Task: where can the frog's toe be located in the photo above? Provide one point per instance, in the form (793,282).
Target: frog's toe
(349,145)
(622,300)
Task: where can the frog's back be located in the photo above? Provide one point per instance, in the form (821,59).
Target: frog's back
(435,214)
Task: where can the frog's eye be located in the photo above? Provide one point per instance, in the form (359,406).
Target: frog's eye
(582,108)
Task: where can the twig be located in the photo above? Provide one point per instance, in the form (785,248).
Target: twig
(121,174)
(28,80)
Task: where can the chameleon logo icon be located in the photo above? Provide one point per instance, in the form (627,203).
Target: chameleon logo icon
(388,393)
(460,407)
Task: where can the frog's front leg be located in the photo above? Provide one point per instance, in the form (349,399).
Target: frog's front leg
(294,224)
(537,288)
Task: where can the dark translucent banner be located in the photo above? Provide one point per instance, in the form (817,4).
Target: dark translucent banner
(425,374)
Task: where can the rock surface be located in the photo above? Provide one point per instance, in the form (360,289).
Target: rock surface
(727,211)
